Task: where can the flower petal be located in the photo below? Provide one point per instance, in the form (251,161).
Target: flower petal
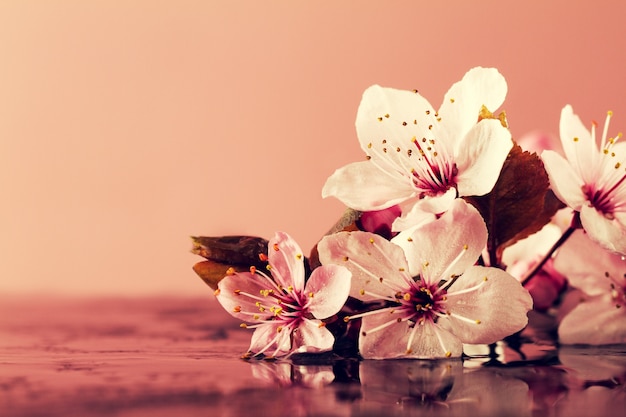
(577,143)
(393,116)
(480,156)
(286,261)
(368,257)
(609,233)
(269,340)
(462,103)
(595,321)
(311,336)
(428,342)
(232,291)
(364,186)
(585,264)
(485,311)
(330,286)
(564,180)
(416,217)
(443,245)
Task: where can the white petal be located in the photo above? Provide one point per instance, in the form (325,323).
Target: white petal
(480,157)
(330,286)
(564,181)
(395,116)
(594,322)
(462,103)
(443,245)
(412,219)
(610,233)
(367,261)
(363,186)
(494,309)
(577,143)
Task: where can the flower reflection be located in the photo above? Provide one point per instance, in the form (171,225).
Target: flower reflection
(420,387)
(597,381)
(286,374)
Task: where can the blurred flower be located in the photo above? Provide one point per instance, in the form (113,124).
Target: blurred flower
(591,180)
(287,312)
(599,318)
(436,297)
(547,284)
(380,221)
(422,159)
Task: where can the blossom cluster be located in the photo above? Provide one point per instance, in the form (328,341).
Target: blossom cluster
(453,233)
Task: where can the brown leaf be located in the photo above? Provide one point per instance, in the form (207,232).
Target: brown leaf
(230,249)
(225,252)
(520,204)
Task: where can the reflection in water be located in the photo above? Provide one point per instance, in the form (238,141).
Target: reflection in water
(162,357)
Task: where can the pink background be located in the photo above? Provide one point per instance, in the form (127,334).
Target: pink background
(125,127)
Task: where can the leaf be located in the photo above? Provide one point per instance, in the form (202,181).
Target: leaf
(230,249)
(226,252)
(519,204)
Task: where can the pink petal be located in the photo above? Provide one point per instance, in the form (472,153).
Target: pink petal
(584,263)
(287,261)
(594,322)
(379,221)
(462,103)
(391,342)
(267,339)
(364,186)
(367,261)
(564,180)
(440,244)
(486,311)
(311,336)
(609,233)
(480,157)
(330,286)
(230,296)
(416,217)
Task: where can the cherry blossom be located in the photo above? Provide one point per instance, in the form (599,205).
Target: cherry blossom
(591,179)
(285,311)
(599,316)
(420,158)
(435,298)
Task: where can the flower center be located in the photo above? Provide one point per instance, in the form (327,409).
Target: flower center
(606,194)
(422,302)
(435,172)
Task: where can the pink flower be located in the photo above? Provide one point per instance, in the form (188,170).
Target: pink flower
(599,317)
(422,159)
(436,298)
(520,258)
(285,310)
(592,180)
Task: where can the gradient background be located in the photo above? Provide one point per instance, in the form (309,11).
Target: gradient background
(126,126)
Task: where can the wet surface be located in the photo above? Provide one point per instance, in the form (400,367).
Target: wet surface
(161,357)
